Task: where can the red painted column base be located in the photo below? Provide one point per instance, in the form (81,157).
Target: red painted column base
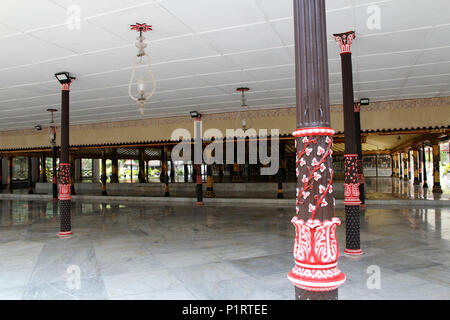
(351,252)
(66,234)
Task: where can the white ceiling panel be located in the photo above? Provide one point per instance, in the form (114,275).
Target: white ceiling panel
(205,15)
(202,50)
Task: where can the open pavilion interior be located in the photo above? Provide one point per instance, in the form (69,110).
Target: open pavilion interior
(138,232)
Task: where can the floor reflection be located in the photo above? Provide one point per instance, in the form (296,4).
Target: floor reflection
(185,252)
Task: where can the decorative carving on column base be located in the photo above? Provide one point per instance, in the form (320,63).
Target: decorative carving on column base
(316,252)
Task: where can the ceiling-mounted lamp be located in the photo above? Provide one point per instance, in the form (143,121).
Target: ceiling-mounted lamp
(244,107)
(52,128)
(364,101)
(141,80)
(64,77)
(195,114)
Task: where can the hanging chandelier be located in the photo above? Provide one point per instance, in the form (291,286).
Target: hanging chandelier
(52,129)
(241,118)
(142,59)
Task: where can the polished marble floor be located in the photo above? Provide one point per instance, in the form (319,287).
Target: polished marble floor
(184,252)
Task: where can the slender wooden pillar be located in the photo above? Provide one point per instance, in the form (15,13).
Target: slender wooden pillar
(436,163)
(172,170)
(186,173)
(352,202)
(30,176)
(424,164)
(361,180)
(65,197)
(282,163)
(164,171)
(409,165)
(104,177)
(1,173)
(141,174)
(400,165)
(405,166)
(114,167)
(10,175)
(315,276)
(415,166)
(197,163)
(209,182)
(44,169)
(420,162)
(392,165)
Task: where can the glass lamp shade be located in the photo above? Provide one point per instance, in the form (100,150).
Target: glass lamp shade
(141,86)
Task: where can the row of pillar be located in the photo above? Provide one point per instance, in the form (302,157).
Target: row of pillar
(407,167)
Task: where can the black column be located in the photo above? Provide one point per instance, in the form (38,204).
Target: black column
(104,177)
(141,175)
(351,184)
(425,183)
(186,173)
(164,172)
(10,175)
(315,276)
(1,173)
(280,176)
(44,169)
(65,197)
(30,176)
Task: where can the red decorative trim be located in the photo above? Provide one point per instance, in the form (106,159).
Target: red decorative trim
(65,86)
(199,203)
(64,192)
(316,252)
(351,252)
(141,27)
(357,107)
(345,41)
(314,131)
(67,233)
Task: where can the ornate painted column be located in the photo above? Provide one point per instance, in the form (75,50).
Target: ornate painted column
(436,163)
(351,194)
(361,180)
(104,177)
(280,176)
(164,171)
(65,197)
(424,162)
(316,251)
(30,176)
(415,166)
